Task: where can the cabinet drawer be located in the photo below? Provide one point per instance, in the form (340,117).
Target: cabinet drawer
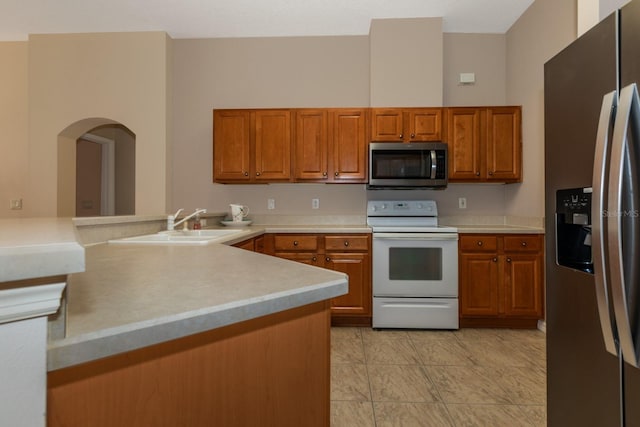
(522,243)
(295,242)
(346,243)
(478,243)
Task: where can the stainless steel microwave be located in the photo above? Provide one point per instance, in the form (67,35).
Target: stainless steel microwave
(401,165)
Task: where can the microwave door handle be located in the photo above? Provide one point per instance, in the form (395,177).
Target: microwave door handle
(626,123)
(434,164)
(605,312)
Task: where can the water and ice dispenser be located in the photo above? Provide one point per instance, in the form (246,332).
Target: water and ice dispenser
(573,229)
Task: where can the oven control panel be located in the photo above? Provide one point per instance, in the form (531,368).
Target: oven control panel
(395,208)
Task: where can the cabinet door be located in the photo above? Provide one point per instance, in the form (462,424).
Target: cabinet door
(348,145)
(248,245)
(504,144)
(523,285)
(357,266)
(479,279)
(387,124)
(425,124)
(463,139)
(231,145)
(311,152)
(273,145)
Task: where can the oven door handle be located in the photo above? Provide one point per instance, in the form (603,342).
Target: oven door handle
(415,236)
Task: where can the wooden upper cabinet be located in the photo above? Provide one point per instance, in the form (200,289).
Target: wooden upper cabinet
(251,146)
(330,145)
(504,144)
(311,145)
(273,145)
(348,142)
(387,125)
(425,124)
(232,145)
(406,124)
(485,144)
(463,138)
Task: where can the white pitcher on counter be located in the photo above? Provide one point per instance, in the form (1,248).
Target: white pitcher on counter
(238,212)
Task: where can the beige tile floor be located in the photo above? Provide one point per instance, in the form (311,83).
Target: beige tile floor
(470,377)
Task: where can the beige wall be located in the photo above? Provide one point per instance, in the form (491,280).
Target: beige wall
(14,119)
(141,79)
(545,28)
(321,72)
(406,62)
(482,54)
(119,76)
(261,73)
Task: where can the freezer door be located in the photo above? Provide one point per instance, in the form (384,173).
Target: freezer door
(582,377)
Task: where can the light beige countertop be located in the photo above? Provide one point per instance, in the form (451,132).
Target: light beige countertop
(497,229)
(38,247)
(134,296)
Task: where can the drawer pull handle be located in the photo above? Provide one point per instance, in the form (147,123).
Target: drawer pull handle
(524,244)
(295,243)
(479,242)
(346,243)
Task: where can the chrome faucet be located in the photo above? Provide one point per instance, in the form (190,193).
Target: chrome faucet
(171,219)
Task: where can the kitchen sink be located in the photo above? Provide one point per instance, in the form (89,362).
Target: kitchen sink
(179,237)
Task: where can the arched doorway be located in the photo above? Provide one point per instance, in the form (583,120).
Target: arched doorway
(96,169)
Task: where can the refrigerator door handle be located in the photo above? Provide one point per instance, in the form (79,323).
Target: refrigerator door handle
(601,160)
(627,120)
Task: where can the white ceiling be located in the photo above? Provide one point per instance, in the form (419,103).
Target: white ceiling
(247,18)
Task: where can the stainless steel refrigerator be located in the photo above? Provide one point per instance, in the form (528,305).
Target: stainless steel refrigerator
(592,152)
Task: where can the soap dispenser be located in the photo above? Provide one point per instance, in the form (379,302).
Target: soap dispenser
(197,225)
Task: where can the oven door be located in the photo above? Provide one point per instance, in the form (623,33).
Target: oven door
(415,265)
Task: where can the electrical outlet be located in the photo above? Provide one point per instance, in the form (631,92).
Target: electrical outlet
(271,204)
(15,204)
(462,202)
(315,203)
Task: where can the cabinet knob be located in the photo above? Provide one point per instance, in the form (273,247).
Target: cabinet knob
(524,244)
(257,173)
(295,243)
(401,136)
(337,173)
(413,135)
(314,259)
(495,259)
(324,174)
(479,242)
(477,173)
(490,173)
(346,243)
(508,259)
(246,174)
(327,259)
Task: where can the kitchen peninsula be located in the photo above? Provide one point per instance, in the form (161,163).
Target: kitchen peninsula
(192,335)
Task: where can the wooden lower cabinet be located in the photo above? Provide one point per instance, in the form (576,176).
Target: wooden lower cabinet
(255,244)
(269,371)
(347,253)
(501,280)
